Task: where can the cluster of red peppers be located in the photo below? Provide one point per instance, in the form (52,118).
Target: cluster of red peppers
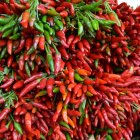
(69,70)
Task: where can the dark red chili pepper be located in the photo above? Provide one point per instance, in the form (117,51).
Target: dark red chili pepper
(29,87)
(33,77)
(49,86)
(108,122)
(7,83)
(4,113)
(20,47)
(9,61)
(39,105)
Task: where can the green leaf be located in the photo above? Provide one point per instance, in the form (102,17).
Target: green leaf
(6,70)
(42,137)
(82,106)
(82,111)
(18,127)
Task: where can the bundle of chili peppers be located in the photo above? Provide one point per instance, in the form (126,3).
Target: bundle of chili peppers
(69,70)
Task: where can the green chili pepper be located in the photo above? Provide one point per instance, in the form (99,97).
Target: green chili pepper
(78,77)
(108,51)
(59,24)
(49,58)
(82,111)
(50,132)
(27,69)
(80,28)
(47,36)
(88,23)
(56,90)
(96,63)
(51,30)
(106,22)
(4,21)
(42,137)
(41,93)
(109,131)
(31,50)
(32,66)
(7,33)
(52,12)
(3,52)
(9,25)
(15,36)
(95,24)
(15,30)
(67,136)
(91,7)
(38,27)
(108,137)
(64,124)
(44,19)
(56,27)
(18,127)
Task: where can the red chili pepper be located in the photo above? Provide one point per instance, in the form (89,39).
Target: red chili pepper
(125,134)
(58,110)
(28,43)
(9,61)
(64,14)
(114,136)
(61,35)
(42,42)
(39,105)
(33,77)
(60,8)
(91,90)
(17,111)
(42,83)
(9,46)
(86,44)
(7,83)
(107,121)
(42,9)
(18,84)
(102,123)
(29,87)
(71,86)
(69,5)
(64,115)
(64,52)
(18,6)
(28,122)
(49,86)
(76,88)
(70,39)
(25,19)
(2,42)
(4,113)
(20,47)
(44,124)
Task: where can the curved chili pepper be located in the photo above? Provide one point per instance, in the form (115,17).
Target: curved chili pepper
(4,113)
(29,87)
(7,83)
(41,106)
(34,77)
